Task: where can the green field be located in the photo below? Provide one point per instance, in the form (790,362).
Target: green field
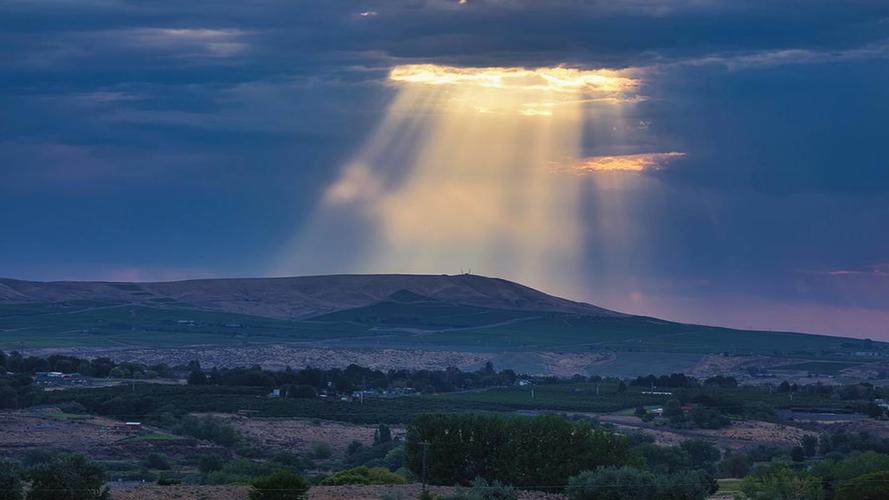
(424,325)
(153,399)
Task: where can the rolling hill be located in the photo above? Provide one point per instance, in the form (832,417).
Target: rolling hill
(464,312)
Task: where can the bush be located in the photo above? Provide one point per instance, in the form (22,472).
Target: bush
(11,486)
(483,490)
(210,463)
(873,486)
(735,465)
(209,428)
(363,475)
(68,477)
(281,485)
(239,471)
(167,481)
(321,451)
(157,461)
(778,482)
(627,483)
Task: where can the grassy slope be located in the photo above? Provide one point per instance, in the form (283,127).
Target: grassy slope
(432,325)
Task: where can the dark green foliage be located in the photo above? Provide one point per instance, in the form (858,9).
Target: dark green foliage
(68,477)
(797,454)
(209,428)
(708,418)
(834,473)
(383,434)
(663,459)
(167,481)
(281,485)
(628,483)
(197,377)
(241,471)
(673,410)
(809,444)
(363,475)
(735,465)
(11,485)
(778,482)
(353,447)
(157,461)
(321,451)
(481,489)
(873,486)
(210,463)
(702,454)
(538,451)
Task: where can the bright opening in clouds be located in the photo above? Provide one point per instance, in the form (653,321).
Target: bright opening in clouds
(463,155)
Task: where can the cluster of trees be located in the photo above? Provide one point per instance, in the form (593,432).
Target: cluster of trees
(63,477)
(630,483)
(99,367)
(14,362)
(522,451)
(306,382)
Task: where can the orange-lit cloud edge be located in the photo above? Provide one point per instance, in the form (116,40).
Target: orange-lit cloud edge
(558,79)
(623,163)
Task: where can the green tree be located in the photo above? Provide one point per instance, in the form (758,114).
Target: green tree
(484,490)
(209,463)
(197,377)
(797,454)
(157,461)
(702,454)
(538,451)
(281,485)
(612,483)
(873,486)
(363,475)
(735,465)
(11,486)
(68,477)
(383,434)
(778,482)
(809,443)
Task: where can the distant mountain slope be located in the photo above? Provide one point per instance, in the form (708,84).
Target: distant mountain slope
(302,297)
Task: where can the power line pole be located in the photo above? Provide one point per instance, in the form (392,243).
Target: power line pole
(425,445)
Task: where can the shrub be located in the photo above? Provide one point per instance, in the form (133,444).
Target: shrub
(778,482)
(157,461)
(353,447)
(68,477)
(363,475)
(167,481)
(735,465)
(321,451)
(873,486)
(239,471)
(611,483)
(210,429)
(627,483)
(11,485)
(281,485)
(210,463)
(483,490)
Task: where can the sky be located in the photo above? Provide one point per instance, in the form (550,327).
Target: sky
(718,162)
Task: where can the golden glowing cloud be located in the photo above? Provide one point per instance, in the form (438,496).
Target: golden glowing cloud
(458,174)
(625,163)
(560,79)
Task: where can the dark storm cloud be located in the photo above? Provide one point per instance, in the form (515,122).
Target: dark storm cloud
(166,138)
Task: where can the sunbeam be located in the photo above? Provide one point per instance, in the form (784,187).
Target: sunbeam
(460,174)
